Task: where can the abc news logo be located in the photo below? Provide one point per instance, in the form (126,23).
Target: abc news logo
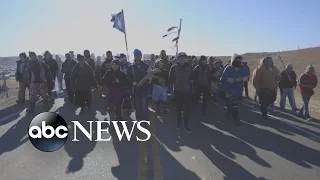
(48,131)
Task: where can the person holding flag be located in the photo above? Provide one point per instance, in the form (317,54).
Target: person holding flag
(287,85)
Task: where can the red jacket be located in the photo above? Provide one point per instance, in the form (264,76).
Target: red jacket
(310,80)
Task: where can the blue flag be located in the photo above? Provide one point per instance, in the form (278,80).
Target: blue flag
(118,20)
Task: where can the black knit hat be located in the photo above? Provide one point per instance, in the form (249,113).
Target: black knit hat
(80,56)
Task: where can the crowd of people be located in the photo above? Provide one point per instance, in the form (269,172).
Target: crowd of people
(179,77)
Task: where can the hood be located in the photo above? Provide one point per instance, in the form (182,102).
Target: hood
(310,69)
(263,61)
(233,57)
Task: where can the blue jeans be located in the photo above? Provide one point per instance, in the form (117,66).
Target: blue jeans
(304,111)
(159,93)
(140,99)
(290,93)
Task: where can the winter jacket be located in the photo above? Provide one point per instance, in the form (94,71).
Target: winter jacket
(164,74)
(136,72)
(228,79)
(97,71)
(53,66)
(40,72)
(110,77)
(285,80)
(67,67)
(263,78)
(91,63)
(105,66)
(310,80)
(22,74)
(180,76)
(201,75)
(82,78)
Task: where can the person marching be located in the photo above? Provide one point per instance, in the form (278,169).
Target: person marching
(116,81)
(126,107)
(181,76)
(215,80)
(106,66)
(22,76)
(307,82)
(245,84)
(265,80)
(232,79)
(82,79)
(88,59)
(287,85)
(59,73)
(66,69)
(201,77)
(136,72)
(97,70)
(160,87)
(41,77)
(53,66)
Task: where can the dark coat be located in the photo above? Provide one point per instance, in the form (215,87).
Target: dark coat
(82,78)
(67,67)
(110,76)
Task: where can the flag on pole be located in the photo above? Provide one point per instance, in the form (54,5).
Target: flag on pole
(172,28)
(118,20)
(119,24)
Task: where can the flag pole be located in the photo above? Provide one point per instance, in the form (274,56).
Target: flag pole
(125,36)
(177,42)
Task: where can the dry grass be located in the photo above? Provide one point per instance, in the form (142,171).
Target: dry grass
(12,83)
(13,94)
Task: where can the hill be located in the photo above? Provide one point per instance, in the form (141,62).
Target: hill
(8,60)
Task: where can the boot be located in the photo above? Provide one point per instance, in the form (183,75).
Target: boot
(228,112)
(82,110)
(112,115)
(164,107)
(20,101)
(204,112)
(30,110)
(126,114)
(45,105)
(158,106)
(235,116)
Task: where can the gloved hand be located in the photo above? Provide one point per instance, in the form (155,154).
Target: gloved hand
(230,80)
(239,79)
(245,79)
